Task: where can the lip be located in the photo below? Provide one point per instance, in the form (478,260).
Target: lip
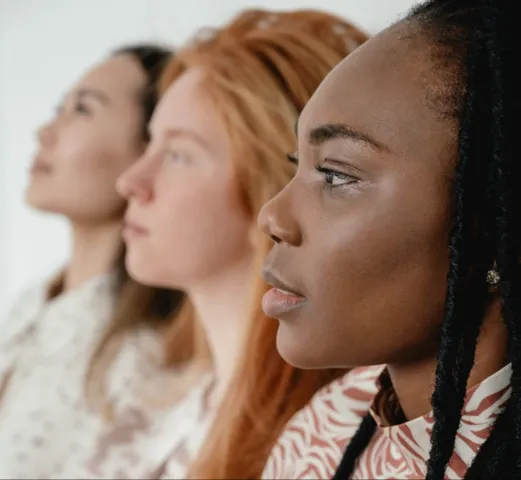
(132,231)
(281,298)
(39,165)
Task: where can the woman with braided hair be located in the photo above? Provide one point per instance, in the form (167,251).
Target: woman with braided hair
(397,246)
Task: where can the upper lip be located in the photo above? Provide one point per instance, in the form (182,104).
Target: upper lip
(273,279)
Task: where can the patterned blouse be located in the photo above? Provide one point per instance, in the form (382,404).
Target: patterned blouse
(312,444)
(48,429)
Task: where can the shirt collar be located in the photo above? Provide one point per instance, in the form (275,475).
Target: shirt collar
(413,438)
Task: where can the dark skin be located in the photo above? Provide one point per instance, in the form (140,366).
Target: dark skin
(366,242)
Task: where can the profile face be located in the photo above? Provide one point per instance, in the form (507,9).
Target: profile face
(94,137)
(361,233)
(185,221)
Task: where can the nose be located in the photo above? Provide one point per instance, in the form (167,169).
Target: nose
(137,182)
(46,134)
(277,219)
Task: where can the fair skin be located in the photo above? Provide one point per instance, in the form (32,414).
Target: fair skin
(93,138)
(185,226)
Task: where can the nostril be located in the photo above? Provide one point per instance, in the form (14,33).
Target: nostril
(275,239)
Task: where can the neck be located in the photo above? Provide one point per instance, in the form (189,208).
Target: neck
(221,305)
(413,383)
(95,249)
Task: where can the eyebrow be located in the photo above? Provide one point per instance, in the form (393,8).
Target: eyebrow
(330,131)
(97,94)
(178,132)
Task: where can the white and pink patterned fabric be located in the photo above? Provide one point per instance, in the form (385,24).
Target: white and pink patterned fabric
(312,444)
(48,429)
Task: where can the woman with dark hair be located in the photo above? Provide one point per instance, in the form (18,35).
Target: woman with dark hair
(398,245)
(81,356)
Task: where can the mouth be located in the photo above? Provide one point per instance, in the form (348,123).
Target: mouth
(281,298)
(40,166)
(133,231)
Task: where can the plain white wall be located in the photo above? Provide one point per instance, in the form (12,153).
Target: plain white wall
(45,45)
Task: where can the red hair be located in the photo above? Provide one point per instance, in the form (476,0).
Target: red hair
(261,69)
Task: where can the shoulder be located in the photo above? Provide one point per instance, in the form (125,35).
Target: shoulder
(137,364)
(312,443)
(189,426)
(17,323)
(22,311)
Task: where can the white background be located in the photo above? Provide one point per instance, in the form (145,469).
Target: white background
(45,45)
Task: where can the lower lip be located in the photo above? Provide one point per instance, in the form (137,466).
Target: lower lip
(40,169)
(130,232)
(277,302)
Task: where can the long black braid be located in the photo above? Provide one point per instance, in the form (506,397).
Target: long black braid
(486,228)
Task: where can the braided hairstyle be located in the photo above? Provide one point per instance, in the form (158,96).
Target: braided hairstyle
(475,41)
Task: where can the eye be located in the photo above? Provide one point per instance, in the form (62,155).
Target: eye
(176,157)
(293,158)
(82,108)
(333,178)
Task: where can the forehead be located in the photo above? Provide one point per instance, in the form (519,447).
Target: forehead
(187,107)
(383,89)
(117,76)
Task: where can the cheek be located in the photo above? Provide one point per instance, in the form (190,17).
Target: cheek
(189,215)
(197,229)
(380,279)
(210,219)
(86,167)
(96,157)
(93,164)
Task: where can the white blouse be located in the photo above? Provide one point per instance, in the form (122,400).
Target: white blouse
(47,427)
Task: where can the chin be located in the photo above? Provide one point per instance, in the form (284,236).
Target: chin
(296,351)
(143,272)
(306,351)
(30,197)
(139,272)
(38,202)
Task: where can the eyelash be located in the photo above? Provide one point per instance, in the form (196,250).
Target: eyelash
(328,173)
(331,175)
(79,107)
(292,157)
(173,156)
(82,108)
